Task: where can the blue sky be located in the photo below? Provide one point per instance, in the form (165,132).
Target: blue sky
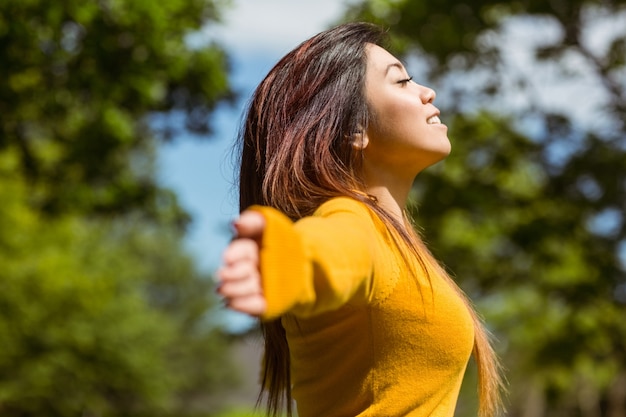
(256,33)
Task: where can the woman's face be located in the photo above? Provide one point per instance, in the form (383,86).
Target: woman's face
(404,131)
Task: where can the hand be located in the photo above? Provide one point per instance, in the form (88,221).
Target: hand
(239,277)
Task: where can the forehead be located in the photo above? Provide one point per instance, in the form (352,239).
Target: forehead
(380,61)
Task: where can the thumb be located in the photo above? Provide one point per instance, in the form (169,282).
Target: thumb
(250,224)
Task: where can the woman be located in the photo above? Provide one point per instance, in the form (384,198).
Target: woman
(358,318)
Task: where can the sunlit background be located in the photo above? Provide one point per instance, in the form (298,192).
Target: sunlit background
(117,120)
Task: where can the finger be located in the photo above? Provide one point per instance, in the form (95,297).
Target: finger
(240,271)
(240,288)
(250,224)
(254,305)
(241,250)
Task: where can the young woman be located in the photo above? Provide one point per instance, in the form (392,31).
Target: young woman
(358,318)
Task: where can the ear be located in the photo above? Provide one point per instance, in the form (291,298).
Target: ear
(360,140)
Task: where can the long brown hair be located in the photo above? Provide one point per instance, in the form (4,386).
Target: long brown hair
(296,153)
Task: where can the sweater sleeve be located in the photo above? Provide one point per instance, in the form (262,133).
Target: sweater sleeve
(318,263)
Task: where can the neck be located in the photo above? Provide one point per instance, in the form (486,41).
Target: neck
(391,192)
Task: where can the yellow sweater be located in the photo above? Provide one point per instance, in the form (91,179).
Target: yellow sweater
(366,338)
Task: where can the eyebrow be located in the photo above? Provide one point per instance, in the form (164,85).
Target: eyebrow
(394,65)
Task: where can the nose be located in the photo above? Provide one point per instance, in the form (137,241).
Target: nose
(427,95)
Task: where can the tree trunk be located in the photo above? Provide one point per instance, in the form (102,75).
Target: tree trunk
(617,397)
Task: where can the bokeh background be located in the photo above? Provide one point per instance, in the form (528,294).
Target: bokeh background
(117,118)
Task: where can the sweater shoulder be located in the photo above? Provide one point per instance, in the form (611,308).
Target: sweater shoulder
(389,260)
(346,204)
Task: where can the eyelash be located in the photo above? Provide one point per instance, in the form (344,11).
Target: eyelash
(405,81)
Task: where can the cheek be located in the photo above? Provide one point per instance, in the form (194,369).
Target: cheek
(398,127)
(389,119)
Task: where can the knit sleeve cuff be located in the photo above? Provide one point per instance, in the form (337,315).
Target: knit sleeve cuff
(286,273)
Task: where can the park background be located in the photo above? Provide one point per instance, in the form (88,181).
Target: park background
(116,122)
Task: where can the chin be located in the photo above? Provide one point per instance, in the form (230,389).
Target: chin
(435,156)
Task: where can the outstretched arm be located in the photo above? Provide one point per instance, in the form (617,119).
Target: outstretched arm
(317,264)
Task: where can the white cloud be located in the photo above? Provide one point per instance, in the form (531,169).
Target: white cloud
(273,26)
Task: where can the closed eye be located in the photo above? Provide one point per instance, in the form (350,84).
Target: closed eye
(405,81)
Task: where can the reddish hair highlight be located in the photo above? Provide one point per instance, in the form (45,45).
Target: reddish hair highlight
(296,153)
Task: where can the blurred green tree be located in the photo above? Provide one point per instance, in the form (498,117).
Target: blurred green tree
(529,210)
(102,311)
(80,82)
(100,317)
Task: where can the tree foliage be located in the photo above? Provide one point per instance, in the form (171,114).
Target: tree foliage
(528,211)
(102,311)
(99,317)
(80,80)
